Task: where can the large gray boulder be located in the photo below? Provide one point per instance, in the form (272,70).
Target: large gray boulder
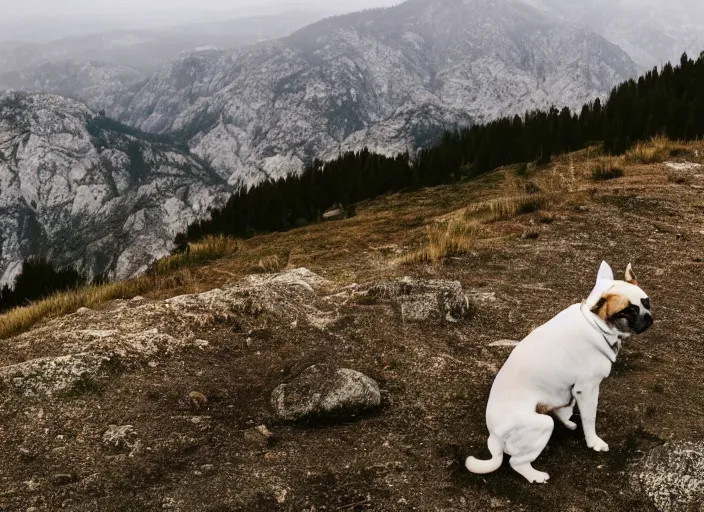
(325,393)
(672,476)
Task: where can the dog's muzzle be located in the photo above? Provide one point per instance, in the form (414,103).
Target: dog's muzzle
(644,322)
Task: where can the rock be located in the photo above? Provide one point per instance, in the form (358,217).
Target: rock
(197,399)
(683,166)
(120,439)
(259,436)
(421,300)
(504,343)
(335,213)
(325,393)
(672,476)
(52,375)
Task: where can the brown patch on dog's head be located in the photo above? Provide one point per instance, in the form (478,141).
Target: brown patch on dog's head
(631,276)
(610,305)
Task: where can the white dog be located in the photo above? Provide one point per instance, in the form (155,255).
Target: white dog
(558,364)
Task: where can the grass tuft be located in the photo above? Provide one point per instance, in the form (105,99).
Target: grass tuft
(656,150)
(269,264)
(209,249)
(607,169)
(456,237)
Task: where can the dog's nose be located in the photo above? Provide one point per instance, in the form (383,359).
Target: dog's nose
(646,323)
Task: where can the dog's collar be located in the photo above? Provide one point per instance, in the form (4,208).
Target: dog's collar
(613,341)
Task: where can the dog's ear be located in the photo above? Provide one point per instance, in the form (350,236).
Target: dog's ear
(605,272)
(631,276)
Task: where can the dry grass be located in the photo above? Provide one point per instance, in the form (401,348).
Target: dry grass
(21,319)
(519,197)
(679,178)
(209,249)
(607,168)
(462,229)
(458,236)
(168,273)
(656,150)
(269,264)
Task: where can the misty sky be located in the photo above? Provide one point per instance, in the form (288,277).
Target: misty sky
(170,10)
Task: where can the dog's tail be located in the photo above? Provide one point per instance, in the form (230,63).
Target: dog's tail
(481,467)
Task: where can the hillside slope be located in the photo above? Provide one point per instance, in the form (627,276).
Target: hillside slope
(85,193)
(152,403)
(389,79)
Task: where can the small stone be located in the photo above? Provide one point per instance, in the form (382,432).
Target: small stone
(83,311)
(201,344)
(197,399)
(32,485)
(325,393)
(504,343)
(260,436)
(120,438)
(207,468)
(281,495)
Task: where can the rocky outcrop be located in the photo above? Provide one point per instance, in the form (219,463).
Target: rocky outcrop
(672,476)
(324,393)
(95,345)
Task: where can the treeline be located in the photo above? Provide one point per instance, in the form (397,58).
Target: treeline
(38,279)
(669,102)
(98,125)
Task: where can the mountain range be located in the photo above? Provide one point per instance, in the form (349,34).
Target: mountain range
(388,79)
(210,119)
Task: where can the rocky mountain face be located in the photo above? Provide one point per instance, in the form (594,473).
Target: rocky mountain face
(652,32)
(85,191)
(389,79)
(90,82)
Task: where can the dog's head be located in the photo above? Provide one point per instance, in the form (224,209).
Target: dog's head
(621,304)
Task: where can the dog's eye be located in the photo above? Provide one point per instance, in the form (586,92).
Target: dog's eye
(646,303)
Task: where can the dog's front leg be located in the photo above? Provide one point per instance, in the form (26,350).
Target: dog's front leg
(587,395)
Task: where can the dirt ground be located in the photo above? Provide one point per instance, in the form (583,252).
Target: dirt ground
(435,376)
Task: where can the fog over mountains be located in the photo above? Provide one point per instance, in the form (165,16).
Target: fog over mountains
(651,31)
(385,79)
(227,101)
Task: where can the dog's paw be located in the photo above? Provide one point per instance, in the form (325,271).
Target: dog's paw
(598,445)
(571,425)
(539,477)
